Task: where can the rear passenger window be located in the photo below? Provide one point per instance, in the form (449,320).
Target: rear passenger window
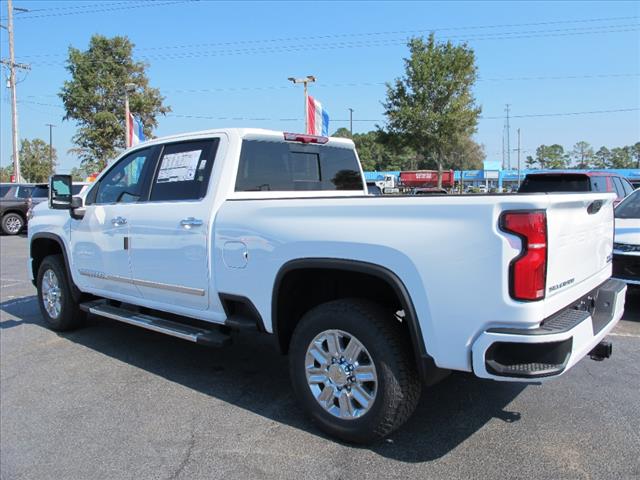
(628,188)
(280,166)
(183,171)
(24,192)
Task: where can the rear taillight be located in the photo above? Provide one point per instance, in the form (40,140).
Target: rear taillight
(528,271)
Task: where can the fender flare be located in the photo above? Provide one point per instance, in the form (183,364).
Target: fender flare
(77,294)
(425,363)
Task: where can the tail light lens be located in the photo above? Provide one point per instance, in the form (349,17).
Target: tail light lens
(528,271)
(299,137)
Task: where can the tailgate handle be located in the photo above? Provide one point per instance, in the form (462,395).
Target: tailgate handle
(594,207)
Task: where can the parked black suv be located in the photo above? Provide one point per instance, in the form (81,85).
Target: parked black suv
(15,201)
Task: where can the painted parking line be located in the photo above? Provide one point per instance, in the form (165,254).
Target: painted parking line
(635,335)
(16,301)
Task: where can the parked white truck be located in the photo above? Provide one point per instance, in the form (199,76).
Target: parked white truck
(198,235)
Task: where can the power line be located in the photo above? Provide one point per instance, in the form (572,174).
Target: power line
(382,33)
(127,6)
(232,117)
(390,42)
(369,84)
(306,48)
(77,7)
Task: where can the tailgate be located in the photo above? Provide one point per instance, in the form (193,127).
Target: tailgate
(580,239)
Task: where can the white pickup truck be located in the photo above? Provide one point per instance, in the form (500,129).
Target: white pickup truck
(198,235)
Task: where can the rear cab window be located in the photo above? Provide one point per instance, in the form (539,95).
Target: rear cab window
(292,166)
(565,182)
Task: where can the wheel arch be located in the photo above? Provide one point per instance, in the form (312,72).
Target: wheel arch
(284,321)
(17,211)
(44,244)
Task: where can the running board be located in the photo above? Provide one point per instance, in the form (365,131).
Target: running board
(211,338)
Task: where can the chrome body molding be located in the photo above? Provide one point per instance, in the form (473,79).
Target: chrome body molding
(143,283)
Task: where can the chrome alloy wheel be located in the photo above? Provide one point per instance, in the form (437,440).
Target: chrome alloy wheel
(13,225)
(341,374)
(51,294)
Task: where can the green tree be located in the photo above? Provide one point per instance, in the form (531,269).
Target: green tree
(5,173)
(635,152)
(432,107)
(35,165)
(602,158)
(78,174)
(94,98)
(621,157)
(582,154)
(530,162)
(551,156)
(467,155)
(342,133)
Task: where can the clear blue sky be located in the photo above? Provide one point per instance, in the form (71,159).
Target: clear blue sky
(541,58)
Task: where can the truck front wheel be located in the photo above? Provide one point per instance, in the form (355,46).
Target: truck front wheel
(59,310)
(352,370)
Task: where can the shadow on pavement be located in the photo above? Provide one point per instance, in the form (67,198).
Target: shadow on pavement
(251,374)
(632,304)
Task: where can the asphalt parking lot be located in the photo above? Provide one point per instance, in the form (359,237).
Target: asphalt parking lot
(115,401)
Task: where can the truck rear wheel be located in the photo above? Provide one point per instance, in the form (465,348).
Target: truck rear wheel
(59,310)
(352,370)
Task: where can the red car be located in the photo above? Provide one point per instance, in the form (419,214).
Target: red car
(564,181)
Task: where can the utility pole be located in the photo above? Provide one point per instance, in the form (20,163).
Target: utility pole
(304,81)
(351,121)
(128,87)
(503,164)
(518,158)
(50,125)
(11,63)
(508,148)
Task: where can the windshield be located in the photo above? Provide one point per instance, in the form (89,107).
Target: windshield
(564,182)
(630,207)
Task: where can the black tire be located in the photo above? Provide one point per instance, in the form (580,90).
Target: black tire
(399,387)
(12,224)
(70,316)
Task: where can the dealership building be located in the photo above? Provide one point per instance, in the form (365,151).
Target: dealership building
(499,179)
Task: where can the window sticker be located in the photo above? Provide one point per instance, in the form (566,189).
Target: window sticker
(179,167)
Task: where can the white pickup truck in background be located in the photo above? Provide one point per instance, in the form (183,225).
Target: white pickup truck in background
(198,235)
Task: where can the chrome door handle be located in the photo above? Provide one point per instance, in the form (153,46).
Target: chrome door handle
(118,221)
(190,222)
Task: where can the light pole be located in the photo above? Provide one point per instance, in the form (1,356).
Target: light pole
(304,81)
(351,121)
(50,125)
(128,87)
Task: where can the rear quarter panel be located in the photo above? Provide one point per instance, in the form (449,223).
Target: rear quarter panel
(448,251)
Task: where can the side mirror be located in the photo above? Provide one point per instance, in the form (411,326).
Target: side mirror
(60,197)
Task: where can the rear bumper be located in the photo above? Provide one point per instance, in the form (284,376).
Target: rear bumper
(511,354)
